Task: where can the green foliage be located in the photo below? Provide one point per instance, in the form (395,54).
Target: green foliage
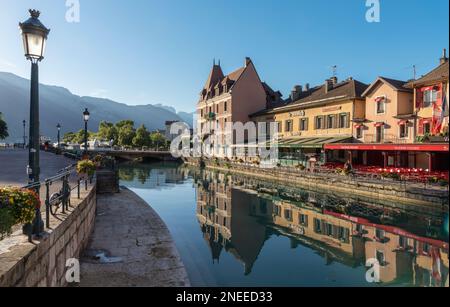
(108,131)
(77,138)
(17,206)
(86,167)
(3,128)
(126,135)
(158,140)
(142,138)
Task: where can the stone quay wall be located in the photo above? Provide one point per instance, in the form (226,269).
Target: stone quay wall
(43,263)
(389,190)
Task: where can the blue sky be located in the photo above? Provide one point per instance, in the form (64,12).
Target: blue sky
(160,51)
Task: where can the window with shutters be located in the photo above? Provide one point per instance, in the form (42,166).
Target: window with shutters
(289,126)
(403,130)
(343,120)
(330,121)
(381,106)
(280,127)
(429,97)
(381,258)
(426,128)
(317,226)
(288,215)
(303,124)
(359,132)
(319,122)
(303,219)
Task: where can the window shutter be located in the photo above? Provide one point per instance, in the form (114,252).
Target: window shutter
(347,124)
(419,98)
(315,122)
(335,121)
(306,124)
(421,126)
(324,122)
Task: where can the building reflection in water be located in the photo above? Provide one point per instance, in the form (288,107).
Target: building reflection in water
(237,215)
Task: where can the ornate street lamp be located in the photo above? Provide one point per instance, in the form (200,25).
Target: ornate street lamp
(58,126)
(34,35)
(86,116)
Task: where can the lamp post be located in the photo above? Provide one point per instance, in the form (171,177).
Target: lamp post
(86,116)
(34,36)
(24,122)
(58,126)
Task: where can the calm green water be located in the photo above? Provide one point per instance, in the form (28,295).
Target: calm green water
(237,231)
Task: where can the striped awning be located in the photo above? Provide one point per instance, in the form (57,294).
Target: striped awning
(317,143)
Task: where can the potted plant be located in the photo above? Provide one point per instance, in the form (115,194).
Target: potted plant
(86,167)
(17,206)
(98,160)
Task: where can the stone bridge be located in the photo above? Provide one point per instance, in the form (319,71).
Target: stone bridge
(131,155)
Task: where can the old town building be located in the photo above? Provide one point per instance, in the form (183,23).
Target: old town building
(314,117)
(230,99)
(406,124)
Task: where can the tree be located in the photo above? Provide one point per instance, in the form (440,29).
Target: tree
(68,137)
(126,135)
(3,128)
(158,140)
(124,123)
(77,138)
(142,137)
(108,131)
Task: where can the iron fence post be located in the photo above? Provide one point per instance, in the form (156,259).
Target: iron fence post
(47,204)
(78,188)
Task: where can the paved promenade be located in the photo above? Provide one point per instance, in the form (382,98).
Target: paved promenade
(13,163)
(130,247)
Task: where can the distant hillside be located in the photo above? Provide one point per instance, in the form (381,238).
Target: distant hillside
(59,105)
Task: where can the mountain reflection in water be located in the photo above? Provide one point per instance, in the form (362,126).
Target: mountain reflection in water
(286,236)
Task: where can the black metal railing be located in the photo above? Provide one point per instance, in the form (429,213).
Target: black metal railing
(59,198)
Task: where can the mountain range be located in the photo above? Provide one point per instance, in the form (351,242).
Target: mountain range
(59,105)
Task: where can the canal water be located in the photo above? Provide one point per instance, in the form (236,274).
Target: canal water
(238,231)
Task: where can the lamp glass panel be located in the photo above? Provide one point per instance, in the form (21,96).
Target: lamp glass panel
(33,44)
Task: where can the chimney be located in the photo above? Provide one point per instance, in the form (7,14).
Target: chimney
(334,80)
(307,87)
(296,92)
(328,85)
(444,58)
(247,61)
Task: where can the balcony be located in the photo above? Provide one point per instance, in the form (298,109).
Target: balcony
(210,116)
(385,139)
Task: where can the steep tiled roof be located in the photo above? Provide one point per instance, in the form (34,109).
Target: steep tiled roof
(349,89)
(397,85)
(440,73)
(215,76)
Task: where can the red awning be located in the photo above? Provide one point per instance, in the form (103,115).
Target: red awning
(390,147)
(379,124)
(380,98)
(358,126)
(403,122)
(426,121)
